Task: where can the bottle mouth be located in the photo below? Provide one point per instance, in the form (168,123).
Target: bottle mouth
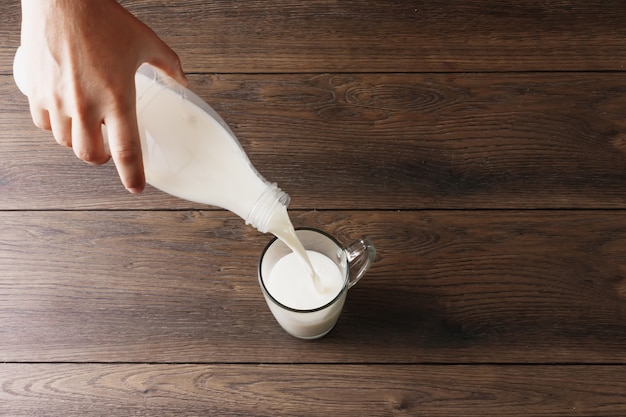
(264,209)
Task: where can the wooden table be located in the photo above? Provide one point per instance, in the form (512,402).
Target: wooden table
(482,147)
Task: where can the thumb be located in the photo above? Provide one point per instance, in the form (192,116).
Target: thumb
(164,58)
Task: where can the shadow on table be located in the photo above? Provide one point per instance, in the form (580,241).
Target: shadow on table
(375,315)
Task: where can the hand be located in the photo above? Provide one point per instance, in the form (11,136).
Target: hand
(82,57)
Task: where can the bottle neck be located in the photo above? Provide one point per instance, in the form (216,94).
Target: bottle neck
(272,201)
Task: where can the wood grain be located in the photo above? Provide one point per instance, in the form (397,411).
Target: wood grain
(388,141)
(306,390)
(448,287)
(480,145)
(363,36)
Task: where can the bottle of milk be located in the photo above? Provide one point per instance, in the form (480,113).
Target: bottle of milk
(191,153)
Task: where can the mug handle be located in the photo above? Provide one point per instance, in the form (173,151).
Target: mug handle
(360,256)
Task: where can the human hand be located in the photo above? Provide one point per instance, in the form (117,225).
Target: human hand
(81,58)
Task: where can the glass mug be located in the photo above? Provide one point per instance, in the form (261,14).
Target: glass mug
(352,261)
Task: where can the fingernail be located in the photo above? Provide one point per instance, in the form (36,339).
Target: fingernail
(135,190)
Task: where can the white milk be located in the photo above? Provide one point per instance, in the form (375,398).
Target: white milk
(281,227)
(290,284)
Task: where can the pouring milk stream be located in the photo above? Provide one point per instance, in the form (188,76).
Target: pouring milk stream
(191,153)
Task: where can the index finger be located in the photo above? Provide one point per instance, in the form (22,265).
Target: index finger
(125,146)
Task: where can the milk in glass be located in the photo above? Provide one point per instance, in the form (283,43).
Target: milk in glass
(290,284)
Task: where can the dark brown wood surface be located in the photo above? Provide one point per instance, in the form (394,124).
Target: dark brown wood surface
(497,287)
(311,390)
(388,141)
(480,145)
(285,36)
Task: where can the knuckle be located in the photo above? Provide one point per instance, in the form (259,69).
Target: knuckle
(41,120)
(83,109)
(41,124)
(90,156)
(127,154)
(62,135)
(63,141)
(123,104)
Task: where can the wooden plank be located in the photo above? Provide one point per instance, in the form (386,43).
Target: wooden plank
(304,390)
(442,130)
(181,287)
(360,35)
(373,141)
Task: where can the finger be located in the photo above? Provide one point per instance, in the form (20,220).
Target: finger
(125,149)
(40,117)
(87,142)
(61,126)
